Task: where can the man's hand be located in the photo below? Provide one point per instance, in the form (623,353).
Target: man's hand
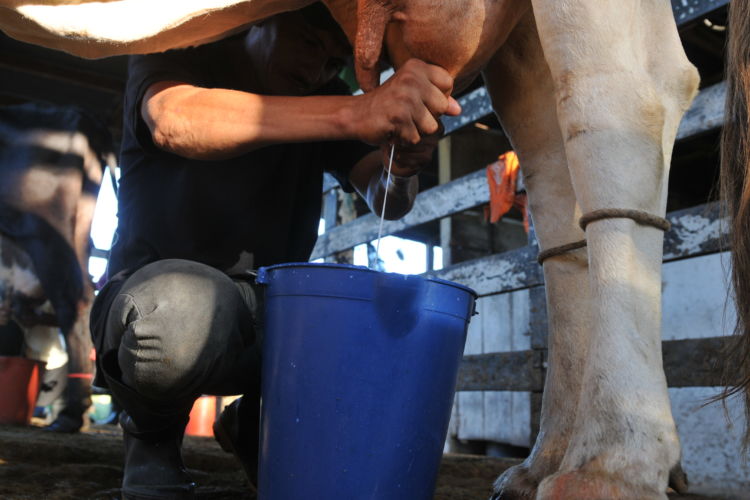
(407,107)
(409,160)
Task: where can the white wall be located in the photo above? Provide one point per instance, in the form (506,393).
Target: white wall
(500,416)
(711,454)
(694,302)
(694,298)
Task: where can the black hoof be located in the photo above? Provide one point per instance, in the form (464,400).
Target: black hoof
(64,426)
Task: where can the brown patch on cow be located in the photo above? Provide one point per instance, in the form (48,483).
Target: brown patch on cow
(653,116)
(575,131)
(585,486)
(564,86)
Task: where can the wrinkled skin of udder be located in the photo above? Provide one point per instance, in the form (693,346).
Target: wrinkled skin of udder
(458,35)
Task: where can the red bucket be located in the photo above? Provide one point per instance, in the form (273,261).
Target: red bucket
(20,379)
(202,417)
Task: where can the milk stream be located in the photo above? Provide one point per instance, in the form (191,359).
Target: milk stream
(385,199)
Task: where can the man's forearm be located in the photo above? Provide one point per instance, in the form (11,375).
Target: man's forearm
(208,124)
(215,124)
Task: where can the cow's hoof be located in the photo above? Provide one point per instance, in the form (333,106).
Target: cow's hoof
(515,483)
(678,480)
(579,485)
(64,425)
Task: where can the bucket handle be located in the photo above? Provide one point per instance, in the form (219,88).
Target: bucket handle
(261,278)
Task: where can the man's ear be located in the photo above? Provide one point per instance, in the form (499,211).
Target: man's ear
(372,18)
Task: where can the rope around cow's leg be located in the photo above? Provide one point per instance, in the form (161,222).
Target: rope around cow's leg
(555,251)
(641,217)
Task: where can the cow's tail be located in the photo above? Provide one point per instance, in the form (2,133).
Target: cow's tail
(735,183)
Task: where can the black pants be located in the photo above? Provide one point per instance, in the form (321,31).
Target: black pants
(178,329)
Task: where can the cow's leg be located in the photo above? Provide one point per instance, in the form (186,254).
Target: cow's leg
(76,399)
(622,83)
(523,96)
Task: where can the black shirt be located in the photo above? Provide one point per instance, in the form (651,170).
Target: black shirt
(265,203)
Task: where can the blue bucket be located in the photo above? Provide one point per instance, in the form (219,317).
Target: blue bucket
(359,373)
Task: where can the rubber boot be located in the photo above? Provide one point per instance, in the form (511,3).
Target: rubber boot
(153,464)
(76,401)
(152,433)
(237,431)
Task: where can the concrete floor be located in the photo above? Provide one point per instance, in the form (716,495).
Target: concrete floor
(38,465)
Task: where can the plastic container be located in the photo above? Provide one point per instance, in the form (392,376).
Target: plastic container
(202,417)
(20,379)
(359,375)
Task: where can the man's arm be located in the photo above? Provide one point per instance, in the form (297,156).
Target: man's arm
(211,124)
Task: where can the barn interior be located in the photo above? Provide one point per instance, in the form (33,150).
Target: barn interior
(502,395)
(36,74)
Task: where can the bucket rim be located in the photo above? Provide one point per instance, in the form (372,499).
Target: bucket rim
(263,273)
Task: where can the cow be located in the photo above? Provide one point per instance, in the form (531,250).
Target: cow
(94,29)
(590,94)
(51,163)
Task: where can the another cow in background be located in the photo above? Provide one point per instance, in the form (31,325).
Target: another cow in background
(51,163)
(590,93)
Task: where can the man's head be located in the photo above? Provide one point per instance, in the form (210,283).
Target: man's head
(295,53)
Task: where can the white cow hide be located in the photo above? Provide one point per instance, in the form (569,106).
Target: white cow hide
(107,28)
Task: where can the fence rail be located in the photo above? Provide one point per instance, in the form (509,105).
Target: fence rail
(695,231)
(687,363)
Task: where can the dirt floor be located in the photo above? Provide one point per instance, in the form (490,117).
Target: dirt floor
(37,465)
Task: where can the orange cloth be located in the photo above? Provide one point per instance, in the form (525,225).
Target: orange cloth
(501,179)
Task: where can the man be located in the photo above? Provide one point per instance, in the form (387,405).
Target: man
(221,174)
